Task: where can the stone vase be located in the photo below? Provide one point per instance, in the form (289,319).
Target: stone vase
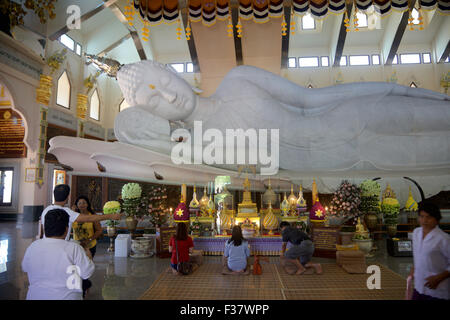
(365,245)
(140,247)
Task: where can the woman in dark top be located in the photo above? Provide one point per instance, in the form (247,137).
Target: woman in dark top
(185,246)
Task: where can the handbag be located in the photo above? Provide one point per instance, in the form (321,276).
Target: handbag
(184,268)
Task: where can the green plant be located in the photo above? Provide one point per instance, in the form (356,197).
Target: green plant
(369,204)
(361,237)
(131,199)
(55,60)
(44,9)
(196,226)
(370,188)
(111,207)
(90,81)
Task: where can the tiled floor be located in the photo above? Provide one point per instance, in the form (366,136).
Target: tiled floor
(127,278)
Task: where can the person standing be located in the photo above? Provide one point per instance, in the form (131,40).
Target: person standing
(61,194)
(302,249)
(86,233)
(52,263)
(431,254)
(237,252)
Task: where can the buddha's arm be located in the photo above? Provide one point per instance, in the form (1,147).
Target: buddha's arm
(279,88)
(290,93)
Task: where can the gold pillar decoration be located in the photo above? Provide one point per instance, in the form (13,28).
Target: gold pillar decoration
(183,192)
(82,100)
(230,27)
(43,94)
(188,30)
(239,28)
(315,195)
(44,91)
(178,27)
(283,27)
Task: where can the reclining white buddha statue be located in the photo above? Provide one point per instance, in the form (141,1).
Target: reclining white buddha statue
(373,126)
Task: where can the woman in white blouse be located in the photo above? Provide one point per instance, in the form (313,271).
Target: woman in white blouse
(431,251)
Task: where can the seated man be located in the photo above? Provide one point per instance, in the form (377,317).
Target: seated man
(301,251)
(55,266)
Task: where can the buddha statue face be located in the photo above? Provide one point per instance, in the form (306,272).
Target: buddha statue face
(158,88)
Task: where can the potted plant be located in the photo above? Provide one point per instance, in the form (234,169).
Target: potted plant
(131,198)
(111,207)
(370,203)
(364,242)
(390,208)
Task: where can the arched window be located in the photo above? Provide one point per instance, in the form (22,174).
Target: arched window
(413,85)
(308,22)
(63,91)
(362,19)
(123,105)
(95,106)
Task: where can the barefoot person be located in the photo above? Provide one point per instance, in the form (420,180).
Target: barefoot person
(184,244)
(236,253)
(301,251)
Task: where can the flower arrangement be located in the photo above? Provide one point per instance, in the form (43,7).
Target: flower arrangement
(90,81)
(17,11)
(155,205)
(390,208)
(361,236)
(196,227)
(370,194)
(131,196)
(346,200)
(131,191)
(111,207)
(55,60)
(370,188)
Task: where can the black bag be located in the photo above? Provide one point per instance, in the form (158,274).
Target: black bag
(184,268)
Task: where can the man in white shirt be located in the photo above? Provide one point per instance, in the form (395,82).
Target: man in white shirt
(431,251)
(55,266)
(61,194)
